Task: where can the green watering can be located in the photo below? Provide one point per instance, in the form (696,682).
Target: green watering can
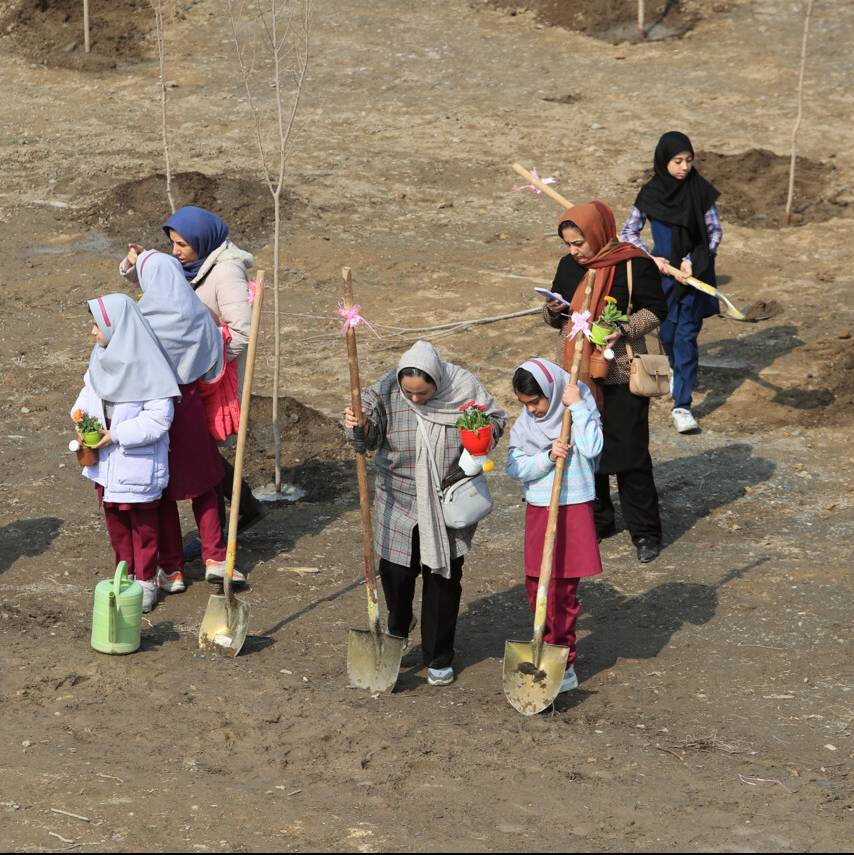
(117,614)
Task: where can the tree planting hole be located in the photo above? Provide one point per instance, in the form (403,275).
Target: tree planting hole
(754,185)
(50,32)
(614,21)
(135,210)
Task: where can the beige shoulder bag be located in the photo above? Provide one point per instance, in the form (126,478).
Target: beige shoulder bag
(649,373)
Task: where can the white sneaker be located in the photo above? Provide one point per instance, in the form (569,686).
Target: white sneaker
(440,676)
(569,682)
(215,572)
(171,583)
(683,421)
(149,595)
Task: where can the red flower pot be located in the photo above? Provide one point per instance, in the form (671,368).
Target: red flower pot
(477,442)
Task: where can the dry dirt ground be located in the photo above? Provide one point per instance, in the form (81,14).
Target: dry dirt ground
(715,708)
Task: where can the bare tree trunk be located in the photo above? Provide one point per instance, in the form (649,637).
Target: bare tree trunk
(86,45)
(641,19)
(800,114)
(161,48)
(277,353)
(288,46)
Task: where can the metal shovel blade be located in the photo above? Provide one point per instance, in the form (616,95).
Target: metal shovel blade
(373,660)
(531,689)
(224,629)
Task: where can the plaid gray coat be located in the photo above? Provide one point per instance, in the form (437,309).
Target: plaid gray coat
(390,429)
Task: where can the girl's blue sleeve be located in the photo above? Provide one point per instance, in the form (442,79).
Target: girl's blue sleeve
(525,468)
(587,434)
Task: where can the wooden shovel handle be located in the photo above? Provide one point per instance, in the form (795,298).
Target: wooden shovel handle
(242,432)
(361,465)
(546,565)
(551,193)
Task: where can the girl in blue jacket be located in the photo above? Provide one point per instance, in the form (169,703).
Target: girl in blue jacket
(544,390)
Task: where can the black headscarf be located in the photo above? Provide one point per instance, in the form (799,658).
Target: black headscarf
(680,204)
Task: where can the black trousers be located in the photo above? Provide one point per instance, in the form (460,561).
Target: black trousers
(638,500)
(440,604)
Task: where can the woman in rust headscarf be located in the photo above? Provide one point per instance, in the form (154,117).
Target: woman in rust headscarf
(590,232)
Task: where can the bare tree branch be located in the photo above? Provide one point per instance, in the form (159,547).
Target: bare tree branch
(161,49)
(791,193)
(287,55)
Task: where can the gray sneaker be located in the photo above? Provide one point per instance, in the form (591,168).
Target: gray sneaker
(149,595)
(569,682)
(440,676)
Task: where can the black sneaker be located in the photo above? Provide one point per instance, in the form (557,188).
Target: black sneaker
(648,549)
(602,534)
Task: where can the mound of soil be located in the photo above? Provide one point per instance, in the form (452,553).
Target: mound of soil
(613,21)
(754,186)
(133,209)
(315,455)
(50,32)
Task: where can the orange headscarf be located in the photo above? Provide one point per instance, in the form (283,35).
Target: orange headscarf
(596,222)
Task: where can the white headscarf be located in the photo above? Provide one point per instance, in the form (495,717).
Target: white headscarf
(180,320)
(533,434)
(133,366)
(455,386)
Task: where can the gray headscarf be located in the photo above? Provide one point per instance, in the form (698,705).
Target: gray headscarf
(180,320)
(133,366)
(455,387)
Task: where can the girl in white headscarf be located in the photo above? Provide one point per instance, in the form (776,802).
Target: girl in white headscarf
(130,388)
(409,529)
(545,391)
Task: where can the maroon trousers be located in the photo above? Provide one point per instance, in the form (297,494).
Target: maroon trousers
(562,612)
(133,535)
(206,512)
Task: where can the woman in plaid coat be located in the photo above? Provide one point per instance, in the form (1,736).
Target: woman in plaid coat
(409,531)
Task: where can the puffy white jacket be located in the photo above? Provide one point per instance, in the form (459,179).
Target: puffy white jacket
(135,467)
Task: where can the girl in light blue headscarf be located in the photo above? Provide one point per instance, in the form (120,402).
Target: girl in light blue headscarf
(130,388)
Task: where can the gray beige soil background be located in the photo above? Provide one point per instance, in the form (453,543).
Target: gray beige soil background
(715,708)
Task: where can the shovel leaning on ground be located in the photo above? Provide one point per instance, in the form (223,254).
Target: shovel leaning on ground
(226,620)
(754,313)
(373,657)
(533,670)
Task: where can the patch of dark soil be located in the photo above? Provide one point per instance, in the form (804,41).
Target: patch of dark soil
(613,21)
(833,359)
(754,186)
(134,209)
(315,455)
(50,32)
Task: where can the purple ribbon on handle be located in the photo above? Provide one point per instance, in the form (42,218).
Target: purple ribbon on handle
(533,187)
(580,324)
(352,319)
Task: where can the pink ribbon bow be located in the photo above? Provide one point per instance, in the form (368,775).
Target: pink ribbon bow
(580,324)
(533,187)
(353,319)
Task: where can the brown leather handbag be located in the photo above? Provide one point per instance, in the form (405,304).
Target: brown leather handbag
(649,373)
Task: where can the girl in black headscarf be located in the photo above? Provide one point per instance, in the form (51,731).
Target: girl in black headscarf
(686,231)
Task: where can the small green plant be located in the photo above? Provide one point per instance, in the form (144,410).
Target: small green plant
(86,423)
(611,315)
(473,416)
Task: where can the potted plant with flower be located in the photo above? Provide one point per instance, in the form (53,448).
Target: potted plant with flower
(606,323)
(475,429)
(89,429)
